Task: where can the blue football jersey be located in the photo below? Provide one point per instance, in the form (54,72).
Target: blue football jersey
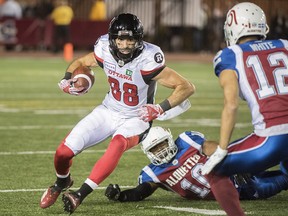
(262,71)
(182,174)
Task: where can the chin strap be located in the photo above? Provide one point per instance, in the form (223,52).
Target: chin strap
(123,59)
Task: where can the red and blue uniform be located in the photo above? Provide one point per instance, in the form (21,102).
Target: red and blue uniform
(262,71)
(182,174)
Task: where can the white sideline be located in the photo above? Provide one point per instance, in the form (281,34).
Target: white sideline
(53,152)
(179,123)
(193,210)
(40,190)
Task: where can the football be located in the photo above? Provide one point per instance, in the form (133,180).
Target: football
(85,77)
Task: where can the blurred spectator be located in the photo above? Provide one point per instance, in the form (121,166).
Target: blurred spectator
(98,11)
(218,18)
(279,26)
(10,9)
(62,16)
(200,27)
(29,10)
(207,37)
(43,9)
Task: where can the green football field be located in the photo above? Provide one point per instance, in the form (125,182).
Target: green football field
(35,116)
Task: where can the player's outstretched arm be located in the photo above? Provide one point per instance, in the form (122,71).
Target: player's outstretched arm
(169,79)
(113,192)
(213,160)
(182,88)
(229,83)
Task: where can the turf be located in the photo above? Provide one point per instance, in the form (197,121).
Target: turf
(35,116)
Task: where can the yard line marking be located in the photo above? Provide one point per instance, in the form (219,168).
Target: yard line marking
(194,210)
(62,112)
(33,127)
(171,123)
(40,190)
(53,152)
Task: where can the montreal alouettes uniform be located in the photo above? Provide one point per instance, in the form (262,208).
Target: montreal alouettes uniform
(261,67)
(182,173)
(130,85)
(262,72)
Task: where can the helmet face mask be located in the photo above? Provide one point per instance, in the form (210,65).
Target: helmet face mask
(125,45)
(244,19)
(125,27)
(159,146)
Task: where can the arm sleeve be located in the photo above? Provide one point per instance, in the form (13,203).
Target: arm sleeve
(139,193)
(224,60)
(226,194)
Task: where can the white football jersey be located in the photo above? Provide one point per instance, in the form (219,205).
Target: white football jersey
(131,86)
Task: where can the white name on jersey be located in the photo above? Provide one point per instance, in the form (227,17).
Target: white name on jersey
(180,172)
(262,46)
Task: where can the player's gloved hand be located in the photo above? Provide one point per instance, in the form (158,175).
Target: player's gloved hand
(67,86)
(213,160)
(112,192)
(149,112)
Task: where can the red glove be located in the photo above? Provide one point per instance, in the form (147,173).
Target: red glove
(149,112)
(67,86)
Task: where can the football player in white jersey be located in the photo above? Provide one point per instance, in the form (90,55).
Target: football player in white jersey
(257,70)
(133,67)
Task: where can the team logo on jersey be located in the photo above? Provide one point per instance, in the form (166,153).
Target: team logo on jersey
(110,66)
(129,72)
(158,57)
(119,75)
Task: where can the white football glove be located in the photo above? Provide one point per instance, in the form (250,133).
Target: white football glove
(213,160)
(67,86)
(149,112)
(175,111)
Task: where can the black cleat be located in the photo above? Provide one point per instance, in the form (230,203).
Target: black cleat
(71,201)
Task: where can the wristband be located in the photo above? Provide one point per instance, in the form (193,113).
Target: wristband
(165,105)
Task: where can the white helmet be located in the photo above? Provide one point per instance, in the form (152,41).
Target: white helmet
(155,136)
(242,20)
